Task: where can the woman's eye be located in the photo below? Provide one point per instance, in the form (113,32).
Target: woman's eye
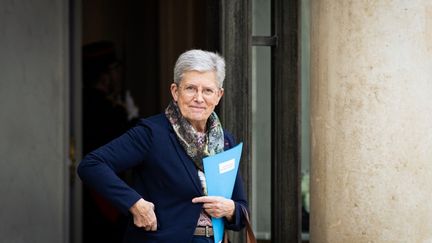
(208,91)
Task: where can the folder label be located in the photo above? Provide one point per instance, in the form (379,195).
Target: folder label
(227,166)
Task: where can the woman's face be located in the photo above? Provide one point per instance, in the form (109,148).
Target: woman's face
(197,96)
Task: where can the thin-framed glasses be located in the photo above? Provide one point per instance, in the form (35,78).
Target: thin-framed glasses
(191,90)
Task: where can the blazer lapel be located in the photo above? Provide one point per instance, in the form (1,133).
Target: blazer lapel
(187,162)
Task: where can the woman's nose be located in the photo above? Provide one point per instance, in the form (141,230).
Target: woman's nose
(199,96)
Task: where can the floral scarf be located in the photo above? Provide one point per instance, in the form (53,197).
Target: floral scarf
(196,146)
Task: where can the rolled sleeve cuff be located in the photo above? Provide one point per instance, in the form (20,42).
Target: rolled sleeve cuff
(129,202)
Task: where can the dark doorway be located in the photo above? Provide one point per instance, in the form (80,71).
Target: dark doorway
(144,39)
(149,35)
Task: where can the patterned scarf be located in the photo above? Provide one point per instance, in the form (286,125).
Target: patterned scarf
(196,146)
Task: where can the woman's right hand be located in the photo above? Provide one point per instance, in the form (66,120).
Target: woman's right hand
(144,215)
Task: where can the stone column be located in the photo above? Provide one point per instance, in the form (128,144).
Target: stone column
(371,121)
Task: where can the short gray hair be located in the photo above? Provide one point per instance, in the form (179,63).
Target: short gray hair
(201,61)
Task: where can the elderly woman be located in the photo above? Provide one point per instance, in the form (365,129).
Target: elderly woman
(168,200)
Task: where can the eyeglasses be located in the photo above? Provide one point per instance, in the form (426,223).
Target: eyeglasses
(192,91)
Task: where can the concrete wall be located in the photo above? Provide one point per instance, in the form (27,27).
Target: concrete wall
(33,120)
(371,115)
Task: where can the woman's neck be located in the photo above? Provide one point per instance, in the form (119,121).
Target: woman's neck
(199,126)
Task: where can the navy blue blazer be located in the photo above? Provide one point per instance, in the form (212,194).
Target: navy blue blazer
(163,174)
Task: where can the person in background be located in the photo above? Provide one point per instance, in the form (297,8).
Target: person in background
(167,201)
(105,117)
(102,96)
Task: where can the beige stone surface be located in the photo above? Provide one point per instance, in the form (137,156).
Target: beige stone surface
(371,121)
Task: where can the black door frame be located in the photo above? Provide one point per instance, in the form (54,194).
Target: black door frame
(286,169)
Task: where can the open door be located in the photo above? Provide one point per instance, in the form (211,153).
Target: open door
(261,108)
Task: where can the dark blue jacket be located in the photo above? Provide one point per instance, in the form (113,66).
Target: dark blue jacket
(163,174)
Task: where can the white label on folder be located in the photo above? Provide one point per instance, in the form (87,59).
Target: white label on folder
(226,166)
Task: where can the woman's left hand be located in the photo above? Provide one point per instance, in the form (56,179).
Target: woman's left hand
(217,207)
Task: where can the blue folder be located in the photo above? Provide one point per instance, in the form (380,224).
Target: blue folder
(221,172)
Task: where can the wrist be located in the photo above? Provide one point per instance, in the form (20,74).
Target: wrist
(231,213)
(134,208)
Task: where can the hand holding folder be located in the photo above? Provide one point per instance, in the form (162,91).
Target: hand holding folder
(221,172)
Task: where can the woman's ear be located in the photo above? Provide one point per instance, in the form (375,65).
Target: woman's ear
(174,91)
(220,94)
